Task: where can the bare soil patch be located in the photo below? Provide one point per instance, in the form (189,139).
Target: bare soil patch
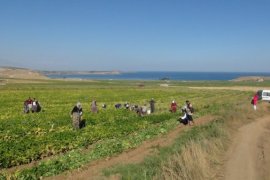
(249,156)
(239,88)
(251,78)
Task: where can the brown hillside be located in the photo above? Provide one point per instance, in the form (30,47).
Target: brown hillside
(20,73)
(252,78)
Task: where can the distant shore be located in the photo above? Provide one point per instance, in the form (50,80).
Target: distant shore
(252,78)
(62,73)
(22,73)
(164,76)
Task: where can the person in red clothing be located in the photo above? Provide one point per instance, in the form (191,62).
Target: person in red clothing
(255,101)
(29,103)
(173,107)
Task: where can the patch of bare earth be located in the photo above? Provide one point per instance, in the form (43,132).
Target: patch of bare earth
(239,88)
(93,169)
(251,78)
(249,156)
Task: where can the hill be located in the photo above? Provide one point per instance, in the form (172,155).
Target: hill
(252,78)
(79,72)
(20,73)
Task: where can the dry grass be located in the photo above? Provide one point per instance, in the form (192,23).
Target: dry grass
(195,161)
(204,159)
(238,88)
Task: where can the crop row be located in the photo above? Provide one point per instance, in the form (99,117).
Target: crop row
(28,137)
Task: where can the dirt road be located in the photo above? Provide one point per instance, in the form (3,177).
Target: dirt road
(238,88)
(93,170)
(249,155)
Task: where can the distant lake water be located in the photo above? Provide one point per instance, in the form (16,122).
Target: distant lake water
(184,76)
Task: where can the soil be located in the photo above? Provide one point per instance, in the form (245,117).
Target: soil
(251,78)
(93,169)
(249,156)
(239,88)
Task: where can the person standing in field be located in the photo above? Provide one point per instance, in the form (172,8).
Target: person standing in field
(76,115)
(34,105)
(29,103)
(94,108)
(152,105)
(188,108)
(25,107)
(173,107)
(143,110)
(255,101)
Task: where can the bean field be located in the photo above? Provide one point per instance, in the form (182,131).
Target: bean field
(25,138)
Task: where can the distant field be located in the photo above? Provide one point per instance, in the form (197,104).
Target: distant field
(29,137)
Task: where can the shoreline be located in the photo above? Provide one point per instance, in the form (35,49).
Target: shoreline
(63,73)
(20,73)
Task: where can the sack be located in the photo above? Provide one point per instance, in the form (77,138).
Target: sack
(252,101)
(184,121)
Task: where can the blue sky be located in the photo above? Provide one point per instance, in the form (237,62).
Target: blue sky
(136,35)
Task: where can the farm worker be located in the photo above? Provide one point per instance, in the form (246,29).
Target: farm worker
(255,101)
(188,109)
(34,105)
(126,105)
(152,105)
(104,106)
(25,107)
(143,110)
(118,106)
(94,106)
(135,108)
(184,119)
(29,103)
(173,106)
(76,115)
(38,106)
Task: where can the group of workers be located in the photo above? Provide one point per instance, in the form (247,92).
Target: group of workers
(140,110)
(31,105)
(187,111)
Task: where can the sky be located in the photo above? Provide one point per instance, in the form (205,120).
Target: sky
(136,35)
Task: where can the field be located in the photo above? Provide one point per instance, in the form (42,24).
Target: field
(48,139)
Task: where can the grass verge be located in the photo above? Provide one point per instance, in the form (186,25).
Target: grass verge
(196,154)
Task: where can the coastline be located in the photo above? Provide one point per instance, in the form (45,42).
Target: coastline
(63,73)
(23,73)
(166,76)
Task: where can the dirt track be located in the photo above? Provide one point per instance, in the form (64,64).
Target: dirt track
(249,155)
(93,170)
(238,88)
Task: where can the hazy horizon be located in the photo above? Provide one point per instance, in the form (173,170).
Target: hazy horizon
(125,35)
(137,71)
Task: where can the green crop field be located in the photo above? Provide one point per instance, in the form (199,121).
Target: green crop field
(49,134)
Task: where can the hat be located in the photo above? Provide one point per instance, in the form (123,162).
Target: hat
(79,104)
